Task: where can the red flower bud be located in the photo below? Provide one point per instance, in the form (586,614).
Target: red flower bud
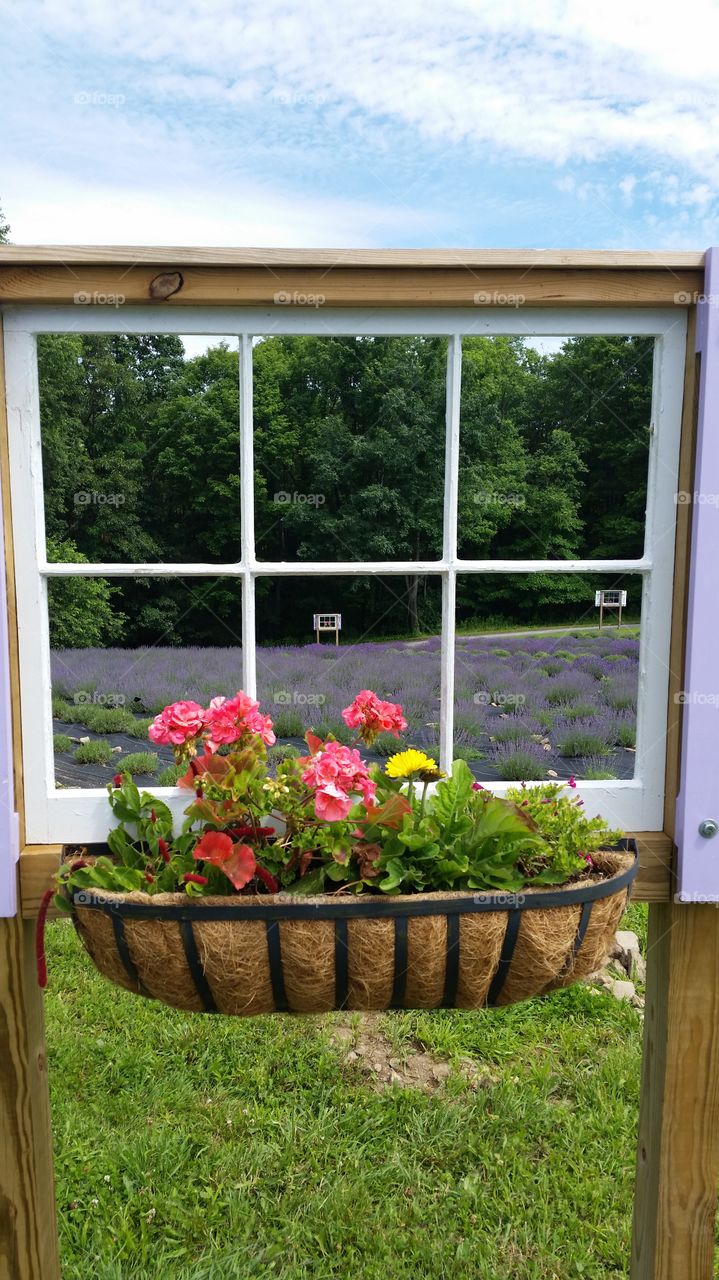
(268,880)
(164,851)
(190,877)
(117,780)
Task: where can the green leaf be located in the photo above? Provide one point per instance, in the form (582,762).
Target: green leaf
(452,794)
(313,882)
(129,879)
(451,869)
(163,813)
(335,871)
(551,875)
(122,846)
(130,797)
(193,890)
(415,842)
(123,811)
(395,875)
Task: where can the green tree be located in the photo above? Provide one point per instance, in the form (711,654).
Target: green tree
(497,382)
(81,610)
(355,428)
(599,389)
(349,450)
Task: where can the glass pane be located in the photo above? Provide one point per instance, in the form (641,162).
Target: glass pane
(349,447)
(140,448)
(554,442)
(120,651)
(305,684)
(540,691)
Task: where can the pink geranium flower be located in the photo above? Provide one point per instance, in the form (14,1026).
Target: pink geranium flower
(177,724)
(332,804)
(372,716)
(227,719)
(336,774)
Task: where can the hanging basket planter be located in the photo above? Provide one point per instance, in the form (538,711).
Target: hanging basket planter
(280,953)
(326,885)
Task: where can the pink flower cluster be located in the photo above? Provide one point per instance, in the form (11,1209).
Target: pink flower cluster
(372,716)
(224,721)
(177,723)
(334,773)
(228,718)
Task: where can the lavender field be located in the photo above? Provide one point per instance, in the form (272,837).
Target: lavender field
(525,706)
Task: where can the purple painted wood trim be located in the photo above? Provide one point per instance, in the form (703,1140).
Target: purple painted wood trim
(698,800)
(9,827)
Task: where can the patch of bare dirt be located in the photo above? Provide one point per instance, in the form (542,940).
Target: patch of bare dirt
(364,1046)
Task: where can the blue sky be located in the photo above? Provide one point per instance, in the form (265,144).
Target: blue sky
(327,122)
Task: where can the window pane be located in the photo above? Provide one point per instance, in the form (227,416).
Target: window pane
(140,448)
(540,692)
(349,447)
(554,442)
(121,651)
(306,685)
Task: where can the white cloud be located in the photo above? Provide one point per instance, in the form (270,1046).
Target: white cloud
(543,78)
(211,211)
(241,124)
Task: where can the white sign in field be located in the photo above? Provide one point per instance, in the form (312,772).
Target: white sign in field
(327,622)
(610,600)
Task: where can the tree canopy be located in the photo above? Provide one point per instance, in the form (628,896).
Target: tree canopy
(141,462)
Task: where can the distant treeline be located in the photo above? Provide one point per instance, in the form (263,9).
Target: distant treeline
(141,463)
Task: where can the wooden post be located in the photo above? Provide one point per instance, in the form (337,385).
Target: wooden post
(678,1148)
(28,1232)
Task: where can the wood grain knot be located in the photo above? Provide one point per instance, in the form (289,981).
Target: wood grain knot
(165,285)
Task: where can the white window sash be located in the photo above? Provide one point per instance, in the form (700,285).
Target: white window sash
(78,814)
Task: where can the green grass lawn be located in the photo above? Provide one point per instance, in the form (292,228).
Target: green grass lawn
(200,1148)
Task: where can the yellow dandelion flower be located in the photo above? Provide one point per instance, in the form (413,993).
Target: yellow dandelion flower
(408,763)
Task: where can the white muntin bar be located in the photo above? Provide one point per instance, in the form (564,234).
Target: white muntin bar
(449,551)
(246,453)
(338,568)
(249,639)
(247,517)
